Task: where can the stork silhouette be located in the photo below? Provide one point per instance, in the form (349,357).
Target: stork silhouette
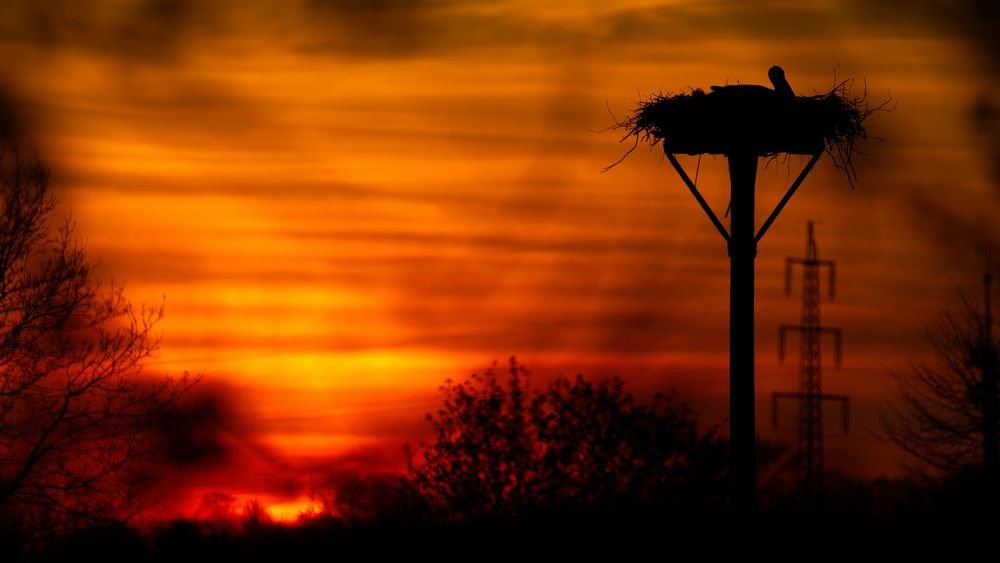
(781,86)
(777,76)
(782,89)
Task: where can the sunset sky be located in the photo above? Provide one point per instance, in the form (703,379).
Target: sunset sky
(346,203)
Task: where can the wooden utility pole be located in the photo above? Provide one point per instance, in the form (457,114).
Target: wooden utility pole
(742,390)
(744,122)
(742,238)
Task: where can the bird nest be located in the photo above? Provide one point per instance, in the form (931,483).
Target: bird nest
(753,119)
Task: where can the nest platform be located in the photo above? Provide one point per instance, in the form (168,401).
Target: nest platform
(750,119)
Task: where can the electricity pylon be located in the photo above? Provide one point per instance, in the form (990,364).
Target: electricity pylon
(810,396)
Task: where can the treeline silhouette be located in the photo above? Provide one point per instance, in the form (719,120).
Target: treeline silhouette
(579,468)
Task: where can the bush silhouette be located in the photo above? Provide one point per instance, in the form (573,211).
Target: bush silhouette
(504,452)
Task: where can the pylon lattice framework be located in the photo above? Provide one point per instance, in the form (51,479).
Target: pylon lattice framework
(810,396)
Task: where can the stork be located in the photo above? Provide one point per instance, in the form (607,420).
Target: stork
(777,76)
(781,86)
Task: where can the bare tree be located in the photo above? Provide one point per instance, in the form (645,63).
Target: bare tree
(76,420)
(946,414)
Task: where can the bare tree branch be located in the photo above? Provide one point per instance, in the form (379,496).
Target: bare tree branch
(940,415)
(77,421)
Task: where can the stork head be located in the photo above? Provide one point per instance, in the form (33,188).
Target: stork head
(781,86)
(777,75)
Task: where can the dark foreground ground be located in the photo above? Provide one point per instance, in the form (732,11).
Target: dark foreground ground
(921,528)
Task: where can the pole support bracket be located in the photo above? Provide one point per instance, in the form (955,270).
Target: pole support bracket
(697,195)
(788,195)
